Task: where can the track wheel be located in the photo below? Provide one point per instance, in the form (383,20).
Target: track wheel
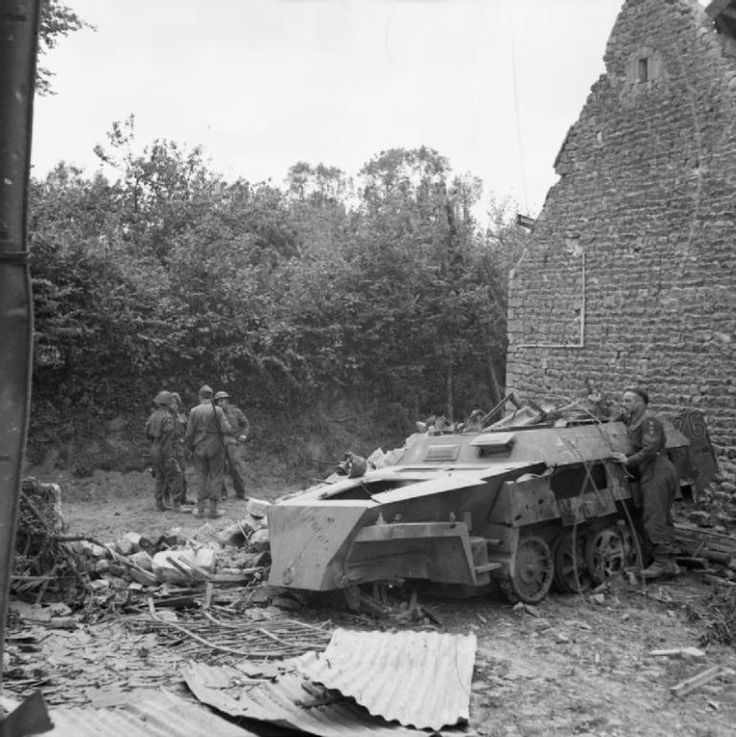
(533,571)
(604,554)
(571,570)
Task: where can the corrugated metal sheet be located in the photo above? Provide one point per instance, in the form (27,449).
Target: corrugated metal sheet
(288,702)
(420,679)
(149,714)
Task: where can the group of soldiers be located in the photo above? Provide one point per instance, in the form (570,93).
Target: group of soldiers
(211,437)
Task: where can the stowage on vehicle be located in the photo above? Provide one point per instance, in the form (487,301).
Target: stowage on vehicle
(531,501)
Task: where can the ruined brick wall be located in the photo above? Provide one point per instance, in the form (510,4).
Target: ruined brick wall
(630,275)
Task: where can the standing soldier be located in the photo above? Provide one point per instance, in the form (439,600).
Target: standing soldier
(180,428)
(657,478)
(234,440)
(160,431)
(205,439)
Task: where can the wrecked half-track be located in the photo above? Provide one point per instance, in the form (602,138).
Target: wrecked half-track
(531,501)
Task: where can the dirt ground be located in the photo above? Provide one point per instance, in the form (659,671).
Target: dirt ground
(574,665)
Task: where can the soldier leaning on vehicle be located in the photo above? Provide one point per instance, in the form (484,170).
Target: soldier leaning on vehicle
(657,477)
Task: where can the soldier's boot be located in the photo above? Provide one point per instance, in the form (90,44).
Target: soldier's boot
(214,511)
(198,511)
(661,568)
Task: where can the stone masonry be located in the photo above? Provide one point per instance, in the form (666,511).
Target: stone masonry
(630,272)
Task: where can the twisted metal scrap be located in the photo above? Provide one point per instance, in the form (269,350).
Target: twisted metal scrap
(206,638)
(43,565)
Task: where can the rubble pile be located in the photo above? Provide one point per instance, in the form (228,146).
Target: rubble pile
(122,576)
(44,565)
(715,508)
(709,551)
(135,573)
(718,615)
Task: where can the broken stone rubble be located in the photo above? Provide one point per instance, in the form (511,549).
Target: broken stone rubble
(175,558)
(119,575)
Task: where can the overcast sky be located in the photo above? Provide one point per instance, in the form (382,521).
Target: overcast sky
(491,84)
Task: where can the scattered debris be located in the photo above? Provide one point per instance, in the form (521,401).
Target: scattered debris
(709,551)
(690,684)
(44,567)
(101,579)
(718,614)
(208,638)
(679,652)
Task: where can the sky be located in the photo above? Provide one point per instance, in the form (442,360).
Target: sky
(493,85)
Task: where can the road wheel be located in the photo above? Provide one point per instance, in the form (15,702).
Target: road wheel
(571,569)
(604,554)
(533,571)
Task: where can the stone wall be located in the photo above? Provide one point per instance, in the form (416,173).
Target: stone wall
(630,275)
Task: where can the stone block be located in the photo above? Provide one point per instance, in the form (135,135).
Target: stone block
(143,560)
(205,559)
(257,508)
(165,571)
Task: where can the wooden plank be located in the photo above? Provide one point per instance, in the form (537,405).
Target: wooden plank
(679,652)
(690,684)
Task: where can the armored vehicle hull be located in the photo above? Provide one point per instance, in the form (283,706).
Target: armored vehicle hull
(529,506)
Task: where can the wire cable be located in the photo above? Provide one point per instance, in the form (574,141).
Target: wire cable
(519,136)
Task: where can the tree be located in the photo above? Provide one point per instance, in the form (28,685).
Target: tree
(431,277)
(56,21)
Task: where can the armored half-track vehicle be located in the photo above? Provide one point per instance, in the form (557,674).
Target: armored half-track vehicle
(530,501)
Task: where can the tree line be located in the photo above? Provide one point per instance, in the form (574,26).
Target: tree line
(160,273)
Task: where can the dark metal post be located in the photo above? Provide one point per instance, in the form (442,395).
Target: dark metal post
(18,44)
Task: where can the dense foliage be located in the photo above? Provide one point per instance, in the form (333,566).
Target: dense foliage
(163,274)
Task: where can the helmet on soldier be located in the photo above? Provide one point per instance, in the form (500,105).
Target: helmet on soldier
(205,391)
(221,395)
(163,398)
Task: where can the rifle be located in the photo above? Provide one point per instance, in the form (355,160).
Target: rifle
(218,425)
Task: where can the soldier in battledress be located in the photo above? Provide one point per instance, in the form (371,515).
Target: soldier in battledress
(657,478)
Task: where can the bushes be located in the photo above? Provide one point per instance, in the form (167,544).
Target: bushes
(168,276)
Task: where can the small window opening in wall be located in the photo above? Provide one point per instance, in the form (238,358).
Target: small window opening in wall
(644,70)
